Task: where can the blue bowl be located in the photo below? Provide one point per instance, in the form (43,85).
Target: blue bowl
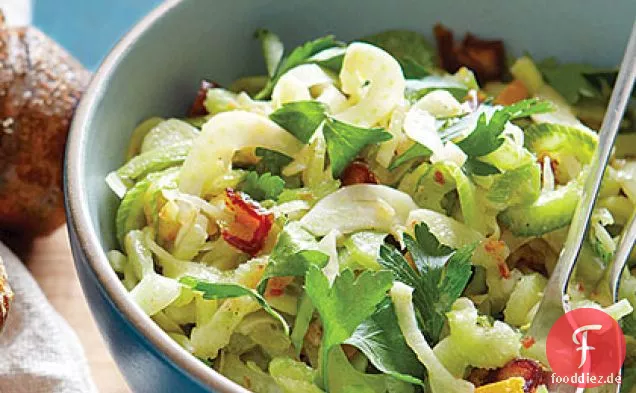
(156,69)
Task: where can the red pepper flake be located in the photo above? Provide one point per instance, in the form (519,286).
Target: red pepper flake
(247,382)
(580,287)
(276,292)
(439,178)
(358,172)
(197,108)
(528,341)
(503,270)
(276,286)
(493,246)
(248,232)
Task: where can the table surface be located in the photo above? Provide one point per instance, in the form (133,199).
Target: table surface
(51,263)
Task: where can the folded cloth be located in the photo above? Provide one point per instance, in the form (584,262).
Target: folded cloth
(39,352)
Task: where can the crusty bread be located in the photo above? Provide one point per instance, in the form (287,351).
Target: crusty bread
(6,295)
(40,85)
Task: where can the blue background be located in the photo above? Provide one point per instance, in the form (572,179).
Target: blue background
(70,22)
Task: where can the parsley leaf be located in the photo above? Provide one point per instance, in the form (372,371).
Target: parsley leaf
(345,305)
(486,137)
(411,49)
(457,85)
(344,142)
(569,79)
(271,161)
(298,56)
(604,80)
(300,118)
(333,63)
(295,250)
(459,93)
(416,151)
(261,187)
(218,290)
(440,276)
(381,340)
(528,107)
(412,69)
(473,166)
(343,377)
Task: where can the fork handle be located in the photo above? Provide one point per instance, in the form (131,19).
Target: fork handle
(607,135)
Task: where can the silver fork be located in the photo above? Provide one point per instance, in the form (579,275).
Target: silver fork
(554,303)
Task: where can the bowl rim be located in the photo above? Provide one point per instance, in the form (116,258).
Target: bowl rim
(79,217)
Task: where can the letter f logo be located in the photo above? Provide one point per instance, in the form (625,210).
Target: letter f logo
(584,348)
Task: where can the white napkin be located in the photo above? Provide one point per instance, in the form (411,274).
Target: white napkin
(17,12)
(39,352)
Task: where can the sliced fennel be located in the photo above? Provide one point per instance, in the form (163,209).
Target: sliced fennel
(138,135)
(130,214)
(473,341)
(428,185)
(360,207)
(447,230)
(363,248)
(363,62)
(292,376)
(211,290)
(210,159)
(154,292)
(526,294)
(168,133)
(248,375)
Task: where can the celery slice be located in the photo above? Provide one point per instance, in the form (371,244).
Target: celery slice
(551,211)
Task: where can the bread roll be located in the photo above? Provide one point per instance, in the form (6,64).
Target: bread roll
(40,85)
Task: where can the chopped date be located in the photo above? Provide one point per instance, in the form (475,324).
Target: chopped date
(487,58)
(251,225)
(358,172)
(531,371)
(198,108)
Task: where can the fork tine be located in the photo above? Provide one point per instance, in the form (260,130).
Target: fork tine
(553,304)
(621,255)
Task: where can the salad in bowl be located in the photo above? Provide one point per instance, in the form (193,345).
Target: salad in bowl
(374,216)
